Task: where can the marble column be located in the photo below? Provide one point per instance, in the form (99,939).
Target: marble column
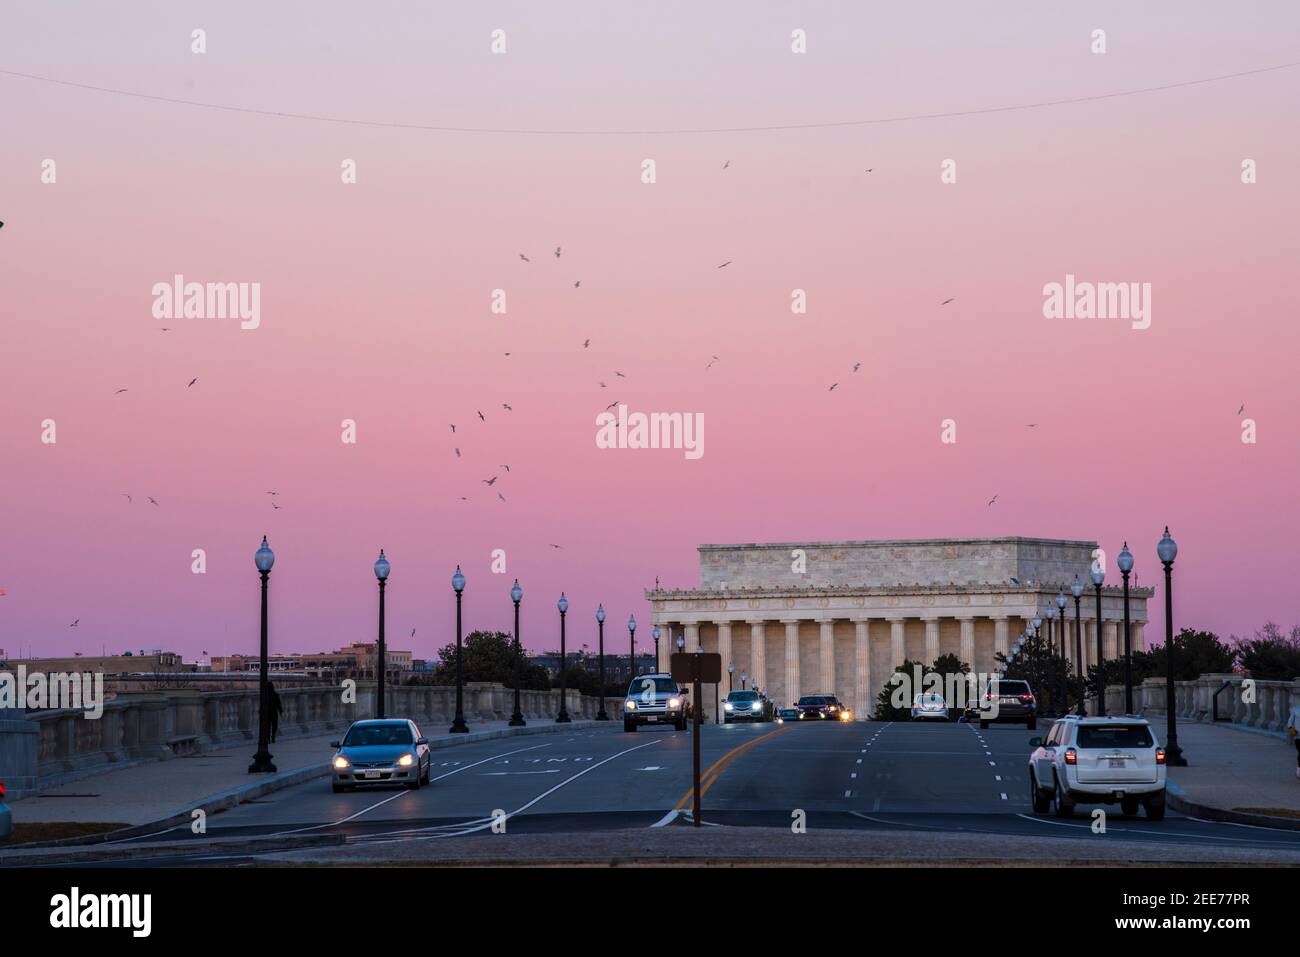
(1112,641)
(931,640)
(826,678)
(757,654)
(1001,635)
(791,658)
(666,648)
(897,645)
(1137,636)
(862,661)
(724,646)
(692,638)
(967,653)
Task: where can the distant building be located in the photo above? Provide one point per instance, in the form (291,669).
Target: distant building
(358,660)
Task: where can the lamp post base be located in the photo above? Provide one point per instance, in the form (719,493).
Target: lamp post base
(563,718)
(459,726)
(517,720)
(601,715)
(261,764)
(1174,757)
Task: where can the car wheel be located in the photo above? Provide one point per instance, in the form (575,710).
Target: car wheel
(337,788)
(681,725)
(629,726)
(428,771)
(984,725)
(1039,798)
(1031,724)
(414,785)
(1155,807)
(1129,806)
(1062,806)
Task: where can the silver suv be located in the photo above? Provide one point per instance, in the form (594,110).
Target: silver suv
(1102,760)
(654,699)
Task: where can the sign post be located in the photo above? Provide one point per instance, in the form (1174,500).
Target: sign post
(697,669)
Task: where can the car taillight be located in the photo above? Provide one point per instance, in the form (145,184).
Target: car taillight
(988,697)
(2,787)
(1026,697)
(1160,759)
(1071,756)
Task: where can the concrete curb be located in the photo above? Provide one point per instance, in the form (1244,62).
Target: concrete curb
(226,800)
(137,852)
(1177,799)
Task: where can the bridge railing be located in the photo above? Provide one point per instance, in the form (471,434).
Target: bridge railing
(1261,704)
(157,726)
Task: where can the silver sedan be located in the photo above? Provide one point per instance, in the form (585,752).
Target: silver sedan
(381,751)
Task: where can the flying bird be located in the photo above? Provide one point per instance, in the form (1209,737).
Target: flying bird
(165,329)
(489,482)
(603,386)
(524,258)
(585,343)
(500,496)
(553,545)
(945,302)
(619,374)
(727,263)
(710,365)
(272,493)
(1032,425)
(507,406)
(506,467)
(991,501)
(577,284)
(856,366)
(481,417)
(832,388)
(1242,409)
(412,632)
(726,164)
(557,252)
(192,381)
(152,499)
(612,404)
(74,624)
(453,427)
(119,391)
(1014,581)
(458,453)
(869,170)
(274,506)
(128,499)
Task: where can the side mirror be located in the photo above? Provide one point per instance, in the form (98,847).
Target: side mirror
(335,745)
(1035,742)
(421,740)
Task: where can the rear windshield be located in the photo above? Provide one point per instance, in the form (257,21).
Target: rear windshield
(645,683)
(812,700)
(1009,687)
(742,696)
(929,699)
(1114,736)
(368,735)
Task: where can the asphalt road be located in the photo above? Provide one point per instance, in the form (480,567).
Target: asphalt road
(915,781)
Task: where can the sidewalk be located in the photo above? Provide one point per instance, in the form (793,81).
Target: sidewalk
(1235,775)
(153,792)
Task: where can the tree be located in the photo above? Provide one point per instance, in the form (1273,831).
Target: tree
(490,656)
(1271,655)
(1196,653)
(894,703)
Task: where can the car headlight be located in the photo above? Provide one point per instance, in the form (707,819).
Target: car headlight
(341,762)
(756,706)
(406,760)
(727,706)
(630,705)
(674,702)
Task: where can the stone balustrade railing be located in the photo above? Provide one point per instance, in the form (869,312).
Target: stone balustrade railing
(1262,704)
(143,727)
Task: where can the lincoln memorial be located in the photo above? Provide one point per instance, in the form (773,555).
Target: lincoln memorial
(837,617)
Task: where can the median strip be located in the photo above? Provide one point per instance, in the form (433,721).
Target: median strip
(717,767)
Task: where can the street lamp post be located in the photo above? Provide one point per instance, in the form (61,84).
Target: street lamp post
(458,725)
(744,681)
(382,568)
(1099,576)
(600,624)
(1038,660)
(631,645)
(1052,682)
(1167,550)
(517,719)
(264,559)
(1076,589)
(655,634)
(731,681)
(1063,675)
(563,716)
(1125,563)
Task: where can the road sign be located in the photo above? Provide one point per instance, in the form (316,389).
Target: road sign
(696,668)
(688,667)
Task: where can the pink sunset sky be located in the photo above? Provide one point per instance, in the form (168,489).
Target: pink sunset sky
(375,303)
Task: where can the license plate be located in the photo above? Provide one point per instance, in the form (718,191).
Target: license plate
(1117,762)
(653,717)
(372,774)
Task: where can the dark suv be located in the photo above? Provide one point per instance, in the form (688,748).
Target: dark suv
(1008,700)
(825,707)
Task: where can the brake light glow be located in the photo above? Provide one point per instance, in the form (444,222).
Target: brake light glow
(1071,756)
(1026,698)
(1160,755)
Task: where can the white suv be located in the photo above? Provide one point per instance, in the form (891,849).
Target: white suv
(1103,760)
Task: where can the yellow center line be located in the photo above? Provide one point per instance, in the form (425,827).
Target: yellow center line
(717,767)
